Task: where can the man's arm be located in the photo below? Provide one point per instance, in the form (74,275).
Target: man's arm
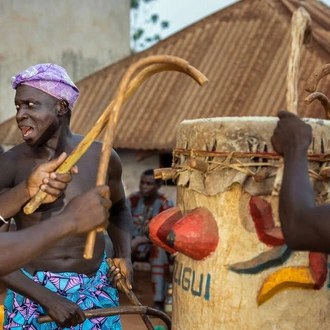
(120,223)
(305,226)
(17,250)
(64,312)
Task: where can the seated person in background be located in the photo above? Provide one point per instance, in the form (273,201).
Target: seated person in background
(144,205)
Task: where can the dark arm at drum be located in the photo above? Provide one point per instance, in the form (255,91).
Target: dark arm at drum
(305,225)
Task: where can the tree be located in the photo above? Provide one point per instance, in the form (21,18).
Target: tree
(145,25)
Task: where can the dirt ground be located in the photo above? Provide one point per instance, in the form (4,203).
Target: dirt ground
(143,291)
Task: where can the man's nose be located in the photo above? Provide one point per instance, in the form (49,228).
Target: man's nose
(21,114)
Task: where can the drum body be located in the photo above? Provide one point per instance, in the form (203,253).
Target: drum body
(252,280)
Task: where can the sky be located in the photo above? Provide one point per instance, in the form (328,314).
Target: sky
(182,13)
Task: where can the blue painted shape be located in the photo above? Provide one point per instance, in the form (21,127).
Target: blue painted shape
(265,260)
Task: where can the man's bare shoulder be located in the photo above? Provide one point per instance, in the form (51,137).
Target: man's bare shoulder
(95,146)
(14,154)
(12,163)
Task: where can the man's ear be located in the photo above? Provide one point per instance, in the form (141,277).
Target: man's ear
(63,107)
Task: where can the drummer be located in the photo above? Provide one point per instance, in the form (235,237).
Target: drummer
(44,100)
(16,249)
(305,225)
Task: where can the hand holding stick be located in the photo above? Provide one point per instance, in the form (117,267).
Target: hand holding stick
(123,310)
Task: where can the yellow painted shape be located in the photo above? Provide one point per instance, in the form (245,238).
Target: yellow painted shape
(285,278)
(1,316)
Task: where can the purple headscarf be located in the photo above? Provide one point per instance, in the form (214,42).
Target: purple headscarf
(51,79)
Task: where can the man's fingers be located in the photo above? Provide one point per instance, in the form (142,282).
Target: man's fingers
(58,177)
(128,284)
(52,165)
(282,113)
(80,316)
(55,163)
(74,169)
(103,190)
(107,203)
(51,191)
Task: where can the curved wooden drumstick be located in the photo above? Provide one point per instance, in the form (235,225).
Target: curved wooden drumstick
(323,99)
(88,139)
(112,123)
(314,79)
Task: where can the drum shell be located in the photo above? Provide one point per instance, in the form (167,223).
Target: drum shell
(206,294)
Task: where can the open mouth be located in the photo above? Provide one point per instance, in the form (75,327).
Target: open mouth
(26,130)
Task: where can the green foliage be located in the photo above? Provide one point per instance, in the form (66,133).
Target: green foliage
(145,26)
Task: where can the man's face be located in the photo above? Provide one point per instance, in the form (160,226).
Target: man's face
(148,186)
(36,114)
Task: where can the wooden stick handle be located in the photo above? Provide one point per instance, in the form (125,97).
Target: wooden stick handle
(88,139)
(89,245)
(104,312)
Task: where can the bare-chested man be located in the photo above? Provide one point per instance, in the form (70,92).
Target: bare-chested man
(16,249)
(61,279)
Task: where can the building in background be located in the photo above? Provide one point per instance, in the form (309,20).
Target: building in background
(81,35)
(243,50)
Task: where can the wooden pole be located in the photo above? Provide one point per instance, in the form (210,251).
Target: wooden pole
(301,29)
(300,34)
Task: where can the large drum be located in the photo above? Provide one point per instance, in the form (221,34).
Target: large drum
(251,280)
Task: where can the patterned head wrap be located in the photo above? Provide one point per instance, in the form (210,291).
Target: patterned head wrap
(51,79)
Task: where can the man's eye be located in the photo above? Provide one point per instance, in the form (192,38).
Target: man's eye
(17,107)
(31,104)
